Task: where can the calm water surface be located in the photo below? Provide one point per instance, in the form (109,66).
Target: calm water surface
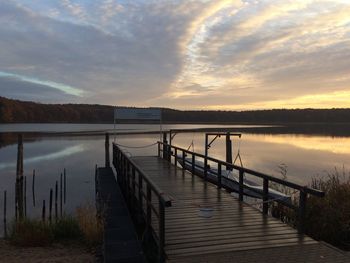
(304,156)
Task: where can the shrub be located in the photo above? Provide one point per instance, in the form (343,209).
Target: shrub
(66,228)
(90,225)
(30,232)
(34,232)
(328,218)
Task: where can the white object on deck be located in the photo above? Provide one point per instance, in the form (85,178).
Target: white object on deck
(206,212)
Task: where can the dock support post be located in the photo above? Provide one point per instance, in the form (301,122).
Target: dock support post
(165,142)
(107,164)
(206,158)
(228,150)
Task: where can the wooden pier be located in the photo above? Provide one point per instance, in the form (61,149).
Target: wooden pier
(170,199)
(120,242)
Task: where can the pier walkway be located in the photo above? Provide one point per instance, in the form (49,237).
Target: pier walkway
(120,242)
(236,232)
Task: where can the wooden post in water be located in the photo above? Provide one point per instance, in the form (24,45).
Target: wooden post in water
(33,188)
(64,186)
(19,177)
(25,196)
(61,196)
(50,206)
(5,210)
(44,211)
(56,195)
(107,164)
(16,208)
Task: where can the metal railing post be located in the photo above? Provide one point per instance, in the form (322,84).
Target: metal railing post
(205,168)
(149,208)
(265,196)
(133,187)
(161,232)
(241,174)
(193,163)
(140,194)
(128,181)
(219,175)
(183,158)
(175,157)
(302,209)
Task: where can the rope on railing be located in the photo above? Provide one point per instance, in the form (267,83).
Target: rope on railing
(136,147)
(274,199)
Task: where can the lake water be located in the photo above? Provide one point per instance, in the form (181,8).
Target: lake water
(304,155)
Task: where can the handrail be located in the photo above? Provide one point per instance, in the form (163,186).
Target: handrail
(295,186)
(159,193)
(134,193)
(303,190)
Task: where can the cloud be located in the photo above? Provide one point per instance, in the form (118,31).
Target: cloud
(53,85)
(180,54)
(32,91)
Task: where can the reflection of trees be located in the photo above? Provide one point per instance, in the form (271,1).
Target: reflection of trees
(9,138)
(298,121)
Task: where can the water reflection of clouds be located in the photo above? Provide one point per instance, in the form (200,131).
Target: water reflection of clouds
(50,156)
(340,145)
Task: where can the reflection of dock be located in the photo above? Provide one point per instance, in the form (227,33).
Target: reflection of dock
(167,200)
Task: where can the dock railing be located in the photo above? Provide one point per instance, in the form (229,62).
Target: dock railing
(167,151)
(141,193)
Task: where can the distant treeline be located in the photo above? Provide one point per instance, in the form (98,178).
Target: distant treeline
(15,111)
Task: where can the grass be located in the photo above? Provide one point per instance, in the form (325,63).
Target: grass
(83,227)
(30,232)
(327,218)
(90,226)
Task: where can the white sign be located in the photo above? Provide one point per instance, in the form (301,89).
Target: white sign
(137,114)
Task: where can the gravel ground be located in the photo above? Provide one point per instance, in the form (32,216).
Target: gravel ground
(55,253)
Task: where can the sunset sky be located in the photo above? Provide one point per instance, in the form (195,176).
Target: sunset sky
(181,54)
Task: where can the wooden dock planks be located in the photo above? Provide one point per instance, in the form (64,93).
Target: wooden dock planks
(233,229)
